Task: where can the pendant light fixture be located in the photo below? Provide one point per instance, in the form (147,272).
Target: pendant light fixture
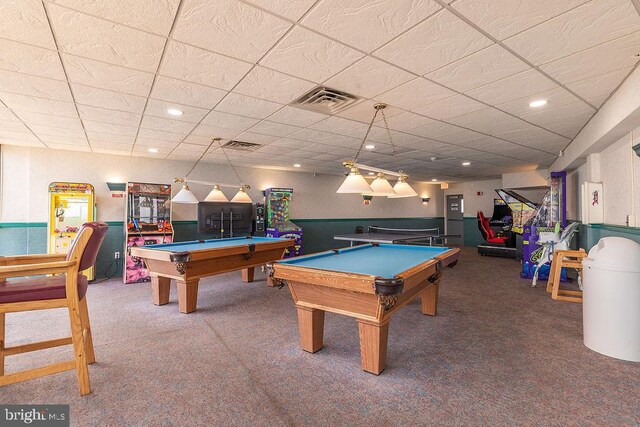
(355,182)
(216,195)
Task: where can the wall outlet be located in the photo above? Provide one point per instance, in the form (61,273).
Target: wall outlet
(116,255)
(631,221)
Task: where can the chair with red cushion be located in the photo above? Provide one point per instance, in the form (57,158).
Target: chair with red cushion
(487,232)
(56,283)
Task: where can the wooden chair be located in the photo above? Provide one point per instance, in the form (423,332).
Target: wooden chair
(569,259)
(57,284)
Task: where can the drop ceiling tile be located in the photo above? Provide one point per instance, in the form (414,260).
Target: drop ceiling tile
(94,38)
(445,132)
(203,134)
(172,90)
(504,18)
(97,144)
(520,85)
(273,86)
(52,120)
(229,121)
(56,131)
(38,105)
(110,128)
(450,107)
(295,144)
(602,59)
(147,15)
(70,147)
(161,135)
(566,119)
(23,58)
(292,9)
(480,68)
(275,129)
(535,137)
(164,124)
(9,134)
(554,97)
(104,115)
(313,135)
(197,65)
(109,137)
(414,94)
(34,86)
(229,27)
(584,27)
(367,24)
(341,126)
(47,139)
(156,143)
(25,21)
(107,76)
(190,114)
(310,56)
(5,113)
(364,111)
(14,126)
(112,152)
(296,116)
(488,120)
(407,121)
(368,78)
(107,99)
(595,88)
(247,106)
(434,43)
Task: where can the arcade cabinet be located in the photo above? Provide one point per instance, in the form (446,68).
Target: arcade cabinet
(71,204)
(147,222)
(550,217)
(501,231)
(277,207)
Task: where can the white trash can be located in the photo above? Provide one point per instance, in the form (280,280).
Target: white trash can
(611,298)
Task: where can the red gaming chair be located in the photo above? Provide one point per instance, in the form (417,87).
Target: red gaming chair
(488,234)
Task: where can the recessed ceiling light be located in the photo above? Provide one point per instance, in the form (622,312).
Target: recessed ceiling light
(466,163)
(174,112)
(538,103)
(370,146)
(153,150)
(297,165)
(434,179)
(372,173)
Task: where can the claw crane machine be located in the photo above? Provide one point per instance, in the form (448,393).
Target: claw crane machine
(71,204)
(277,206)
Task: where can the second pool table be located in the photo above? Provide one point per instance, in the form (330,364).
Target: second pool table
(369,282)
(188,262)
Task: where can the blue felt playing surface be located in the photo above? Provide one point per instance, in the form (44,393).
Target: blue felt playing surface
(211,244)
(383,261)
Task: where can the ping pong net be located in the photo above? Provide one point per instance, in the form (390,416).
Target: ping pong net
(411,233)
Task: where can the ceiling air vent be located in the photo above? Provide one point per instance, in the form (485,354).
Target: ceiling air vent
(325,100)
(241,145)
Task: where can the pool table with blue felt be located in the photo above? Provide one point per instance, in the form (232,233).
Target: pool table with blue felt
(368,282)
(188,262)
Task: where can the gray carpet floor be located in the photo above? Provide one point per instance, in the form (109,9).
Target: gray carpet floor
(498,353)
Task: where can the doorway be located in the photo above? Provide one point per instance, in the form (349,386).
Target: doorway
(455,218)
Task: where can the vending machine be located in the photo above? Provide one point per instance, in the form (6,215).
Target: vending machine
(71,204)
(277,218)
(147,222)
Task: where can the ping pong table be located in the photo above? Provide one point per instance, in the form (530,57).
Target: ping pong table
(408,236)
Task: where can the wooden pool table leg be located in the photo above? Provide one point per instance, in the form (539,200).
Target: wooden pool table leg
(311,326)
(430,299)
(187,295)
(247,274)
(160,286)
(373,345)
